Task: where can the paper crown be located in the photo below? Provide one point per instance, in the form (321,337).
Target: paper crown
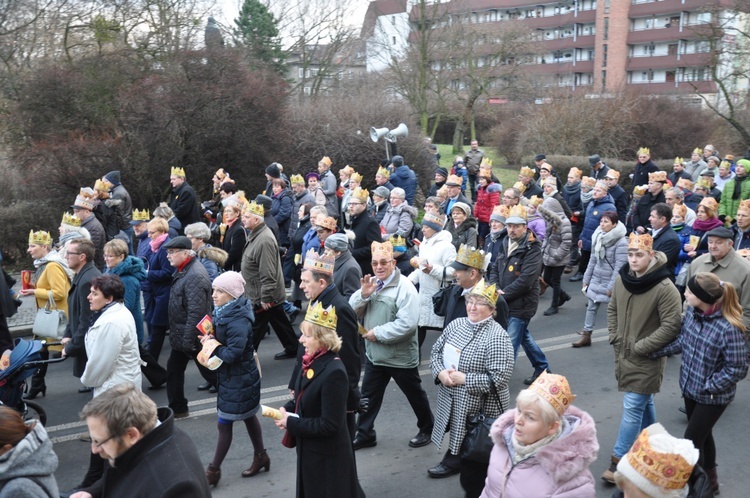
(142,215)
(527,172)
(658,461)
(177,172)
(296,180)
(347,170)
(710,203)
(640,189)
(470,256)
(698,151)
(679,210)
(703,182)
(361,194)
(101,186)
(84,202)
(485,173)
(644,151)
(657,176)
(685,184)
(383,171)
(678,160)
(486,163)
(536,201)
(356,177)
(588,181)
(575,172)
(555,390)
(488,292)
(436,218)
(327,222)
(601,184)
(641,242)
(254,208)
(520,187)
(725,165)
(501,210)
(744,206)
(40,238)
(326,160)
(550,180)
(399,244)
(325,317)
(454,181)
(320,263)
(71,219)
(382,250)
(613,173)
(517,214)
(221,174)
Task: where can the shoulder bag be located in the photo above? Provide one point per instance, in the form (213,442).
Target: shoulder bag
(49,321)
(440,298)
(477,444)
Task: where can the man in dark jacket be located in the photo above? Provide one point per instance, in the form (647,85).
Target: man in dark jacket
(741,226)
(80,257)
(526,177)
(472,159)
(644,167)
(346,271)
(83,208)
(189,302)
(441,175)
(454,195)
(653,195)
(183,201)
(599,170)
(148,455)
(122,203)
(516,272)
(404,177)
(666,240)
(618,194)
(365,229)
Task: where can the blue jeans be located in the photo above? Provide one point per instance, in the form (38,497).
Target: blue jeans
(520,336)
(638,412)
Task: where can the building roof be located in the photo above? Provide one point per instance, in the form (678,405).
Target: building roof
(379,8)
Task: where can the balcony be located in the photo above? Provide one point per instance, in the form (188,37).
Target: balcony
(682,87)
(664,7)
(655,35)
(561,20)
(563,68)
(569,42)
(668,61)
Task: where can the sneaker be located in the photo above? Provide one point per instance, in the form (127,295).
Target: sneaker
(609,474)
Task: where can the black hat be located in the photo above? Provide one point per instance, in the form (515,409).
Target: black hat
(595,159)
(397,161)
(707,172)
(264,201)
(180,242)
(113,177)
(539,157)
(273,171)
(721,232)
(442,172)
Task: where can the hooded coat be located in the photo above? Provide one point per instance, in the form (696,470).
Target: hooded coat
(28,469)
(398,220)
(602,272)
(465,233)
(438,250)
(487,198)
(213,260)
(131,273)
(404,177)
(559,469)
(281,210)
(157,288)
(559,234)
(594,212)
(517,274)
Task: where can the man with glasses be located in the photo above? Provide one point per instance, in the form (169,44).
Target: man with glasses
(388,303)
(366,230)
(148,455)
(511,197)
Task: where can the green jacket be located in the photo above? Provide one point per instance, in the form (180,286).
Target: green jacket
(393,314)
(261,267)
(728,206)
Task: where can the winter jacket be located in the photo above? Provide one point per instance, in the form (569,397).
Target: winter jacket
(643,209)
(404,177)
(393,315)
(281,210)
(492,243)
(213,260)
(517,274)
(398,220)
(156,293)
(559,236)
(366,231)
(473,159)
(537,225)
(572,195)
(667,241)
(641,171)
(144,250)
(601,273)
(175,227)
(297,200)
(487,360)
(703,238)
(728,206)
(532,189)
(125,205)
(346,274)
(439,252)
(131,273)
(695,169)
(620,199)
(79,317)
(112,349)
(238,377)
(741,239)
(234,243)
(643,315)
(377,211)
(189,302)
(465,233)
(714,357)
(594,212)
(28,469)
(683,234)
(559,469)
(327,185)
(487,198)
(184,203)
(98,237)
(52,277)
(261,268)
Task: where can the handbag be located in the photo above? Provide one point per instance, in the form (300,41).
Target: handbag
(49,321)
(477,444)
(440,298)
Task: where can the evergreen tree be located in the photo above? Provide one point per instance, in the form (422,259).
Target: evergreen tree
(257,31)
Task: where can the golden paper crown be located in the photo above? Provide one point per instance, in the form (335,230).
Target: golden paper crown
(382,250)
(601,184)
(710,203)
(398,241)
(698,151)
(744,206)
(325,317)
(576,172)
(254,208)
(666,470)
(383,171)
(679,210)
(550,180)
(657,176)
(361,194)
(71,219)
(327,161)
(326,222)
(678,160)
(536,201)
(725,165)
(520,187)
(40,238)
(296,180)
(588,181)
(84,202)
(220,174)
(527,172)
(488,292)
(644,151)
(517,211)
(470,256)
(142,215)
(177,172)
(501,210)
(320,263)
(454,181)
(356,177)
(555,390)
(613,173)
(703,182)
(640,189)
(684,183)
(485,173)
(347,169)
(641,242)
(101,186)
(486,162)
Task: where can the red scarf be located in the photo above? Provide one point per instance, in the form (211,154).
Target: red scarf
(308,359)
(158,241)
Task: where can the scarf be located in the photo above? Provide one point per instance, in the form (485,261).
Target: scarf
(707,225)
(571,190)
(586,196)
(738,186)
(601,239)
(644,283)
(522,452)
(218,310)
(158,241)
(69,236)
(96,314)
(678,228)
(308,359)
(53,257)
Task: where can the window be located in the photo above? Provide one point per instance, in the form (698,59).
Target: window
(604,55)
(606,6)
(393,20)
(300,73)
(394,40)
(604,80)
(307,90)
(606,28)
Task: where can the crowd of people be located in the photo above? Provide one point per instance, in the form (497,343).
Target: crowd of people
(667,258)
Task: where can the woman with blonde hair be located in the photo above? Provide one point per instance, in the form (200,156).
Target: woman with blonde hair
(714,360)
(706,220)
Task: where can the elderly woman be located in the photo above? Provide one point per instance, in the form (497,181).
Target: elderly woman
(157,286)
(70,228)
(488,196)
(472,362)
(432,205)
(462,226)
(544,446)
(50,282)
(238,377)
(281,209)
(433,270)
(27,460)
(555,250)
(131,273)
(233,236)
(315,420)
(345,175)
(380,197)
(399,217)
(165,212)
(707,219)
(212,258)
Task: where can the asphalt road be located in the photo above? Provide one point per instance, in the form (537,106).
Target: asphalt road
(392,469)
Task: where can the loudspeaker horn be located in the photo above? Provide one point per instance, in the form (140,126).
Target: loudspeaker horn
(377,133)
(401,131)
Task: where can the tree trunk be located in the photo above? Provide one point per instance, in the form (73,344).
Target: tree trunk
(464,122)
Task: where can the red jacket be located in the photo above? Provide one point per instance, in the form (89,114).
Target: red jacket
(487,198)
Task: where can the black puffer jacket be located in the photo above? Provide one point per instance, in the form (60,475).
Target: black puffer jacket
(189,302)
(239,380)
(466,233)
(517,274)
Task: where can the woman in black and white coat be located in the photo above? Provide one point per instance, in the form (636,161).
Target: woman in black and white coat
(472,362)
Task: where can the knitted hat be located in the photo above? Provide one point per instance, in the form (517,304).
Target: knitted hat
(113,177)
(397,161)
(273,171)
(230,282)
(312,174)
(442,172)
(337,242)
(434,221)
(382,192)
(463,207)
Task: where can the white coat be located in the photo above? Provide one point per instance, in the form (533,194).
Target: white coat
(439,251)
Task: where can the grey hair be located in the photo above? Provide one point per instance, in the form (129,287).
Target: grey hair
(677,191)
(163,211)
(198,231)
(398,192)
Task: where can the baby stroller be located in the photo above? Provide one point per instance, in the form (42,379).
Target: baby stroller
(23,362)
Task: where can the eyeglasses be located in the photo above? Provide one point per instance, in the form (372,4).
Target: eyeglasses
(475,304)
(75,254)
(381,263)
(171,252)
(356,203)
(100,444)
